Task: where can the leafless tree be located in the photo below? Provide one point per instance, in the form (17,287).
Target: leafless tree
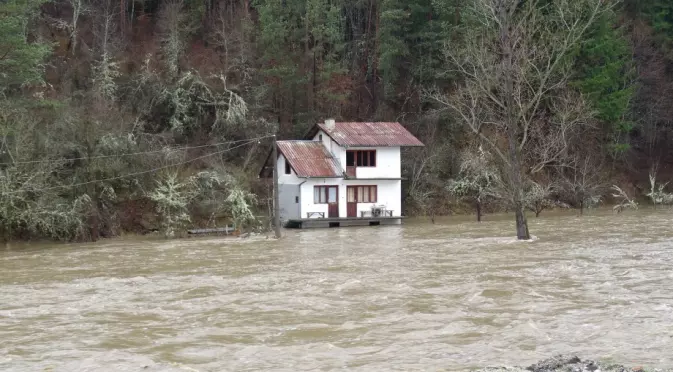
(551,140)
(516,56)
(583,185)
(624,200)
(657,193)
(78,8)
(424,188)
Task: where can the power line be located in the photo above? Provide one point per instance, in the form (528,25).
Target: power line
(136,173)
(133,153)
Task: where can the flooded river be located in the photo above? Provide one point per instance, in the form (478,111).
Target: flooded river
(450,296)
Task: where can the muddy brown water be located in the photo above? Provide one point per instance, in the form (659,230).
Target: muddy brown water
(451,296)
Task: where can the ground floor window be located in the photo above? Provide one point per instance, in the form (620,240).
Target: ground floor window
(325,194)
(362,194)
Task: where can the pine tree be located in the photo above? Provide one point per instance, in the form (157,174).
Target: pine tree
(21,60)
(606,76)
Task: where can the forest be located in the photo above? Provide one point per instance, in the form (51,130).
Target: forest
(133,116)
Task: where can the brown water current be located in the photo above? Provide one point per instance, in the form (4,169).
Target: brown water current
(451,296)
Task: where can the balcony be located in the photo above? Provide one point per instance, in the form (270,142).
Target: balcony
(350,172)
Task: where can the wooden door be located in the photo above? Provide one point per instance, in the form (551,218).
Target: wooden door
(352,201)
(333,202)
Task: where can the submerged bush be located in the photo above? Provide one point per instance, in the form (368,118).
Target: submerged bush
(657,193)
(206,193)
(28,208)
(172,198)
(222,194)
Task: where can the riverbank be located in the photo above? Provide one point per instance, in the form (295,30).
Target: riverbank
(562,363)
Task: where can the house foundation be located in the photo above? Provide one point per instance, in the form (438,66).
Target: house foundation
(316,223)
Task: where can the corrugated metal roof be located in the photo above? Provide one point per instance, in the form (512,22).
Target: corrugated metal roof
(310,159)
(371,134)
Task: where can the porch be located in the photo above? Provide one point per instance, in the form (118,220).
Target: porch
(310,223)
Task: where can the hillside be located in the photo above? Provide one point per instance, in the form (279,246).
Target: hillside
(156,114)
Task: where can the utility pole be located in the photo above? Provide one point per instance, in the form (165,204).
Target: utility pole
(276,197)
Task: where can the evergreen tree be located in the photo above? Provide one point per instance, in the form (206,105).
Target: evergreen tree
(412,38)
(21,60)
(606,76)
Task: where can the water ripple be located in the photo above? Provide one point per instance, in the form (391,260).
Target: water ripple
(448,296)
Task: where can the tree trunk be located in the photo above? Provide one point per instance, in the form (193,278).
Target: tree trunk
(478,211)
(521,223)
(515,171)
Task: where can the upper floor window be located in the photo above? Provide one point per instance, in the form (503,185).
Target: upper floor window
(320,137)
(361,158)
(288,169)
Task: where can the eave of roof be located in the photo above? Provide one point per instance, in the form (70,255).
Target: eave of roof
(310,159)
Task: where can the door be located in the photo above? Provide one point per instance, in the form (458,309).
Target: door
(333,202)
(351,201)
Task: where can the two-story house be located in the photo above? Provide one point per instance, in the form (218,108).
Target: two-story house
(342,174)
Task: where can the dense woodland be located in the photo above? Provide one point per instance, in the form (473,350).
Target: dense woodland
(135,116)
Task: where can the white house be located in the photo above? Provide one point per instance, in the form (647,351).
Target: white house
(343,173)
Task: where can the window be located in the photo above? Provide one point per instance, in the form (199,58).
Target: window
(296,199)
(288,169)
(320,137)
(361,158)
(325,194)
(362,194)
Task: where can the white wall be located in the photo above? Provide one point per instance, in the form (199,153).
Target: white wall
(388,160)
(286,179)
(307,190)
(387,163)
(389,193)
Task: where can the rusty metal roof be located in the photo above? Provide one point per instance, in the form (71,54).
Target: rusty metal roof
(370,134)
(310,159)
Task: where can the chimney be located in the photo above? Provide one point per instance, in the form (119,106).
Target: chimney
(329,124)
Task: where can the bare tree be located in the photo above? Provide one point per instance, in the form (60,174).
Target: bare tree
(657,193)
(420,189)
(426,189)
(78,8)
(515,56)
(582,184)
(551,139)
(625,201)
